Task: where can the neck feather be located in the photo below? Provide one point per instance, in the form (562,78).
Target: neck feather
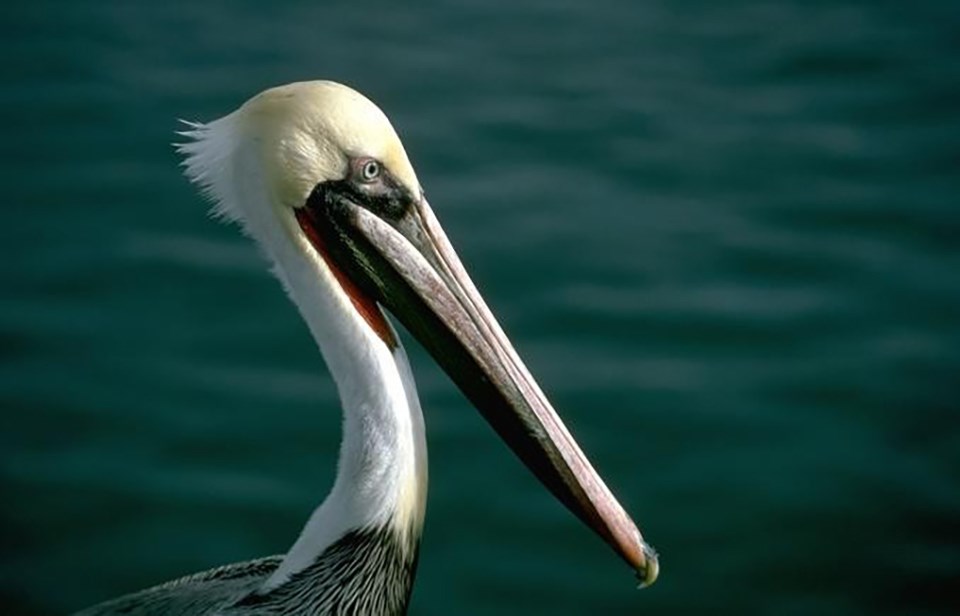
(381,477)
(381,474)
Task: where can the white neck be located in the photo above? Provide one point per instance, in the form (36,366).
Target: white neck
(382,473)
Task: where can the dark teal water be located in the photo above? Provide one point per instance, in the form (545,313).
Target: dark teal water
(723,235)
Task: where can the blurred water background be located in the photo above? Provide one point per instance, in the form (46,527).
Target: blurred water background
(723,235)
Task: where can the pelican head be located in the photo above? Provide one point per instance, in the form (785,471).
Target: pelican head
(315,172)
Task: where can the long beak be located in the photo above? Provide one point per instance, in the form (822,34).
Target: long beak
(409,266)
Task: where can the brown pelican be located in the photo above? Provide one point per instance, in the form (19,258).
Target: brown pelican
(315,173)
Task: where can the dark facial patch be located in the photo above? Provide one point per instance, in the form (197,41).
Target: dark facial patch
(384,195)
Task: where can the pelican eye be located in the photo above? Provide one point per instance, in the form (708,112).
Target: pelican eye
(369,170)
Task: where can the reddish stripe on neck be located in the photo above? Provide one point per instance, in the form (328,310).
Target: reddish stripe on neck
(365,305)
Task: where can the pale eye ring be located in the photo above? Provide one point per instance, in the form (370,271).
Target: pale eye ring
(369,170)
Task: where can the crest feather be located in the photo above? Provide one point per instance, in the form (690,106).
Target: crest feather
(207,159)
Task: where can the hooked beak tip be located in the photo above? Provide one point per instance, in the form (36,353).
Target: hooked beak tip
(647,572)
